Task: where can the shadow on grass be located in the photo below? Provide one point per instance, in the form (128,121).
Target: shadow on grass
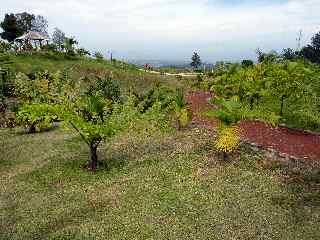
(24,131)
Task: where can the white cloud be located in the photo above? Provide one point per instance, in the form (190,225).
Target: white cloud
(172,29)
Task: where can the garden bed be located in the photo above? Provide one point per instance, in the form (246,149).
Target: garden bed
(288,142)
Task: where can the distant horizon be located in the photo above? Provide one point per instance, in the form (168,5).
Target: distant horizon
(219,30)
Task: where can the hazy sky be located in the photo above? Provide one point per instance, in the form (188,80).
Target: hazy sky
(173,29)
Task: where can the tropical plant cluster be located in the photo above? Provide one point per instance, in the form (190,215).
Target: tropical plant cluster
(94,106)
(287,89)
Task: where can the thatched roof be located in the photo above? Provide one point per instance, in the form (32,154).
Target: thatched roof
(31,35)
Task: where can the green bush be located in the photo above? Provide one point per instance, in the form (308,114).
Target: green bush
(37,116)
(285,88)
(4,46)
(41,87)
(82,52)
(98,56)
(109,88)
(247,63)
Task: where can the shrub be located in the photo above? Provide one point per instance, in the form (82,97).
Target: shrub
(50,47)
(41,87)
(4,46)
(247,63)
(109,88)
(7,119)
(157,94)
(5,76)
(37,116)
(98,56)
(282,87)
(82,52)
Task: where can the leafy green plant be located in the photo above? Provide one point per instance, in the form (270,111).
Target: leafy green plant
(40,87)
(69,46)
(288,81)
(83,52)
(37,116)
(229,114)
(4,46)
(97,119)
(5,75)
(247,63)
(279,87)
(157,94)
(182,113)
(109,88)
(89,115)
(98,56)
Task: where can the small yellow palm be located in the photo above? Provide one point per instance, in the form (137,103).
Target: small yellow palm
(228,138)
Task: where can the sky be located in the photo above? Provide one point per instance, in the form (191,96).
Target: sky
(228,30)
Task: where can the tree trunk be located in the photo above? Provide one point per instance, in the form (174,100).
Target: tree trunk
(93,157)
(32,129)
(282,103)
(225,156)
(178,125)
(251,103)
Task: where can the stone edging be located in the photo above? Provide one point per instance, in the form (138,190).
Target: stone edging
(272,153)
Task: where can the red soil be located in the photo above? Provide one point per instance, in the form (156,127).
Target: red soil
(295,143)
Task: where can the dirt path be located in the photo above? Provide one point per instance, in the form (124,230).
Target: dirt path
(171,74)
(292,142)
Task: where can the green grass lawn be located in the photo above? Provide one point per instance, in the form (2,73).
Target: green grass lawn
(165,186)
(128,75)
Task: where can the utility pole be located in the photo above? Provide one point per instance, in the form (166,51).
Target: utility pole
(299,38)
(111,57)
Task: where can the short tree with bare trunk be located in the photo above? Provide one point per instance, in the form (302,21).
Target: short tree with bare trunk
(91,116)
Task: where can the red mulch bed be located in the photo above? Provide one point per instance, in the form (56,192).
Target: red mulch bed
(295,143)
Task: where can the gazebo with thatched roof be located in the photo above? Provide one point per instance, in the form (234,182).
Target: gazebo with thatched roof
(32,38)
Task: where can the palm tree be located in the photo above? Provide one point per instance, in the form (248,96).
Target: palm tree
(229,134)
(230,113)
(182,113)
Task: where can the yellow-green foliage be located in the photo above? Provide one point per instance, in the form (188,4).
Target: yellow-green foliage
(228,138)
(36,116)
(184,117)
(43,88)
(182,113)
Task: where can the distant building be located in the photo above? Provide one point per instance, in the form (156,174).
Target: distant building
(35,39)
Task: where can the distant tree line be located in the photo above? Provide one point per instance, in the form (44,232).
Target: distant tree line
(15,25)
(310,52)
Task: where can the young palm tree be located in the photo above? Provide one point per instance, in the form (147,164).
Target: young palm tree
(182,113)
(229,134)
(230,113)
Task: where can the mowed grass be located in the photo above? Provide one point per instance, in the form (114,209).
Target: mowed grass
(161,186)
